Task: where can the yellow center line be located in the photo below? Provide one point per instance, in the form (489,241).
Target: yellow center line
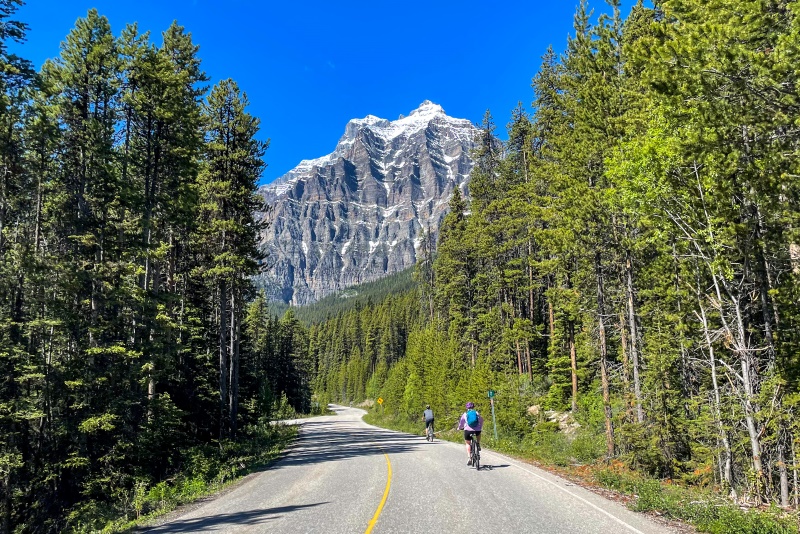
(383,500)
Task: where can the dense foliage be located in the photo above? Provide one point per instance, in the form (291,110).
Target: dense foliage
(629,256)
(130,345)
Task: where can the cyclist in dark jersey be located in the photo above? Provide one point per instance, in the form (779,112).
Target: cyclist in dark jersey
(427,415)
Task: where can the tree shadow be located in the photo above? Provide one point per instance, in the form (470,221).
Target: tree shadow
(330,441)
(249,517)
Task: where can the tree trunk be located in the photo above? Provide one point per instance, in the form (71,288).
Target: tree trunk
(764,281)
(626,367)
(7,504)
(151,380)
(741,349)
(794,475)
(223,359)
(749,376)
(604,358)
(794,256)
(752,431)
(574,364)
(3,189)
(531,299)
(37,231)
(234,367)
(723,434)
(637,386)
(783,473)
(528,358)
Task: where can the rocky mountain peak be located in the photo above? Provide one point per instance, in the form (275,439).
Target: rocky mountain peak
(428,108)
(358,213)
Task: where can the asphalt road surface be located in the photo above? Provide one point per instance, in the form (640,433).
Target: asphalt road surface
(345,476)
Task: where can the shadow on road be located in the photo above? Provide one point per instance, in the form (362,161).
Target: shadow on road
(249,517)
(328,441)
(488,467)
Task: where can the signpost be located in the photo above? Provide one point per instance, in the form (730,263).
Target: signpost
(380,401)
(494,421)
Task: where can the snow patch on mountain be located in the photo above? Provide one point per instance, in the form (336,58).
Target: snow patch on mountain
(417,120)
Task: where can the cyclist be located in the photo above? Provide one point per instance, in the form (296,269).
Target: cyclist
(471,429)
(427,415)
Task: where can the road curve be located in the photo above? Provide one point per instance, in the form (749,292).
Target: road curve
(336,479)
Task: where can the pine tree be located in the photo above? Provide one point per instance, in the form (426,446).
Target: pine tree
(227,187)
(454,272)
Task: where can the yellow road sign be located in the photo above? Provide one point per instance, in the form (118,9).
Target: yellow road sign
(380,400)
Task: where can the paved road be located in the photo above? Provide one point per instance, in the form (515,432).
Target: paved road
(336,479)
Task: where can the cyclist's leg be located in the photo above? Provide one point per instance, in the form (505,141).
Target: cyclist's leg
(478,437)
(467,443)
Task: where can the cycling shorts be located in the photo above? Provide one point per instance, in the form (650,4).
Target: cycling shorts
(468,434)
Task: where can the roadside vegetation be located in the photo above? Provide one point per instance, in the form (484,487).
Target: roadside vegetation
(580,458)
(203,471)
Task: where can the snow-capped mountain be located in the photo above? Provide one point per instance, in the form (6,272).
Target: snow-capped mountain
(358,213)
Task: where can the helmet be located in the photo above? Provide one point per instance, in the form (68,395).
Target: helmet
(427,406)
(470,405)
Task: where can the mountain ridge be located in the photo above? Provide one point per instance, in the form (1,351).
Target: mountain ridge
(358,213)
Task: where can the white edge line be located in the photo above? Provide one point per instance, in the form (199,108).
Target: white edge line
(565,490)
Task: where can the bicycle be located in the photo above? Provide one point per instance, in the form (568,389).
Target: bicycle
(474,452)
(429,432)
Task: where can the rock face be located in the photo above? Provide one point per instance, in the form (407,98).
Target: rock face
(358,214)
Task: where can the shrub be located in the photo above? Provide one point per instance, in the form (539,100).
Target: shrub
(587,447)
(546,426)
(650,496)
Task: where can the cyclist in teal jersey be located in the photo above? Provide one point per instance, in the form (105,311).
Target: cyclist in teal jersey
(470,430)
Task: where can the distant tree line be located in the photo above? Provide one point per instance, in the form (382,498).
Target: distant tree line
(354,350)
(342,301)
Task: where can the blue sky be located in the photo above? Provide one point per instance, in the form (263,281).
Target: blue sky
(308,66)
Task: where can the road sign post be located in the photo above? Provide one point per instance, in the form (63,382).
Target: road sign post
(494,420)
(380,401)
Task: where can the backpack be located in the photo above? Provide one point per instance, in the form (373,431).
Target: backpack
(472,418)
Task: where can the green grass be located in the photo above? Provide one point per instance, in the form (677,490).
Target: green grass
(705,510)
(578,456)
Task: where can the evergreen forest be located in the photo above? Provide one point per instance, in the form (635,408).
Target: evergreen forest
(132,349)
(628,254)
